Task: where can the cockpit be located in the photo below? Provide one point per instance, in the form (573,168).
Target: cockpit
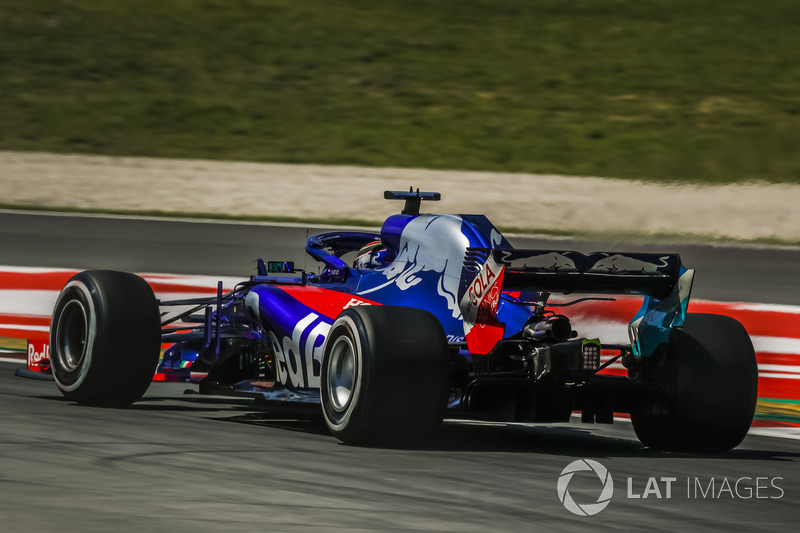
(371,250)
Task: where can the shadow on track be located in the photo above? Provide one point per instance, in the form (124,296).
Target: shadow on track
(562,440)
(455,436)
(468,436)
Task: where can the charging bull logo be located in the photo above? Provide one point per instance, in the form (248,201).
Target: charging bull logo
(429,244)
(547,261)
(624,263)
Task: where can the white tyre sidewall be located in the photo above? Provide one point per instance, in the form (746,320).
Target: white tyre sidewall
(342,422)
(91,333)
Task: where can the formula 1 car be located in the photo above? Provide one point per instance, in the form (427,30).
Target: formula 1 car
(435,314)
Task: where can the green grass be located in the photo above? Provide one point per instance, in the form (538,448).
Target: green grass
(663,89)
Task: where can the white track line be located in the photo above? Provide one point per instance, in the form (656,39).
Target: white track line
(153,218)
(781,433)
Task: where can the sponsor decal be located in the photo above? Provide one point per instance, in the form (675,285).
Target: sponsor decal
(38,355)
(355,302)
(484,282)
(299,357)
(479,308)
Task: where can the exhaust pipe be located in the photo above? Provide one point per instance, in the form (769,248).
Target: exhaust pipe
(556,327)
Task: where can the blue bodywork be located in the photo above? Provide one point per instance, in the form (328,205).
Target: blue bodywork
(434,260)
(426,271)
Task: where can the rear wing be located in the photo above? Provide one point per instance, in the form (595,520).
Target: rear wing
(598,272)
(487,272)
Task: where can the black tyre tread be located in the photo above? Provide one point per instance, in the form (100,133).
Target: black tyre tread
(127,345)
(406,375)
(711,376)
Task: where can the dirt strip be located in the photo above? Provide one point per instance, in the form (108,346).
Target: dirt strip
(748,211)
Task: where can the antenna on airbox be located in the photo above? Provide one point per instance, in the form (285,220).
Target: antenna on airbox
(413,199)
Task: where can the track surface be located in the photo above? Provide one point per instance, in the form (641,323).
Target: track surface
(180,462)
(723,273)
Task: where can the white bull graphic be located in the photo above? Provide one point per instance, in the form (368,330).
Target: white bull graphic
(429,243)
(624,263)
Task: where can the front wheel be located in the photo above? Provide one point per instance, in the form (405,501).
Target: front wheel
(710,373)
(385,374)
(105,338)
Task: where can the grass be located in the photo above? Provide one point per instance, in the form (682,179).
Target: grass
(664,89)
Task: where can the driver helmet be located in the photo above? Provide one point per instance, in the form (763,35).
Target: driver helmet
(373,255)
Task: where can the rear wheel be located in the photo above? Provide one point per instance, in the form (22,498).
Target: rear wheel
(385,374)
(709,371)
(105,338)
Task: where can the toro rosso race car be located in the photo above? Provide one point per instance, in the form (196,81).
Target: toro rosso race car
(434,315)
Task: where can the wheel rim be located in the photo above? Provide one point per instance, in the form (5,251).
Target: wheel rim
(71,336)
(341,373)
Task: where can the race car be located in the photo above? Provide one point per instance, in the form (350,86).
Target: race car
(435,315)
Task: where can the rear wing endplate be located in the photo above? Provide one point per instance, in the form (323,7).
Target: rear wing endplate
(661,278)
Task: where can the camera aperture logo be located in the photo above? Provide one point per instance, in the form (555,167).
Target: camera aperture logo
(586,509)
(656,488)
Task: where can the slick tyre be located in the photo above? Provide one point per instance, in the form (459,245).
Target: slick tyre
(709,371)
(385,375)
(105,338)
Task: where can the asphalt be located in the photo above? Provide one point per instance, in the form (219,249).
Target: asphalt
(177,461)
(723,272)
